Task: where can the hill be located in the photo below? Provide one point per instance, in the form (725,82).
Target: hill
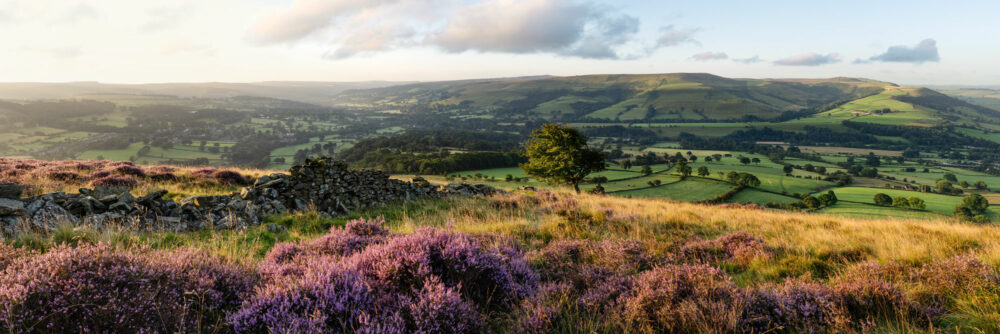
(549,261)
(659,97)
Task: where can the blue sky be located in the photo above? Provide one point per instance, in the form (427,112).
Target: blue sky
(908,42)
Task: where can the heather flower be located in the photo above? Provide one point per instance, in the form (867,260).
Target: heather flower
(229,177)
(124,181)
(352,238)
(163,177)
(489,277)
(681,299)
(440,309)
(738,247)
(129,170)
(98,288)
(795,306)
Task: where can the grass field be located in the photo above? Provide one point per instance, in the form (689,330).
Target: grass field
(692,189)
(751,195)
(938,203)
(857,210)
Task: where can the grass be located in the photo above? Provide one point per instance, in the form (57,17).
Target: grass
(857,210)
(751,195)
(803,244)
(942,204)
(692,189)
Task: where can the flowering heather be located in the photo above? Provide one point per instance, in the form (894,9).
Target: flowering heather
(163,177)
(352,238)
(489,277)
(130,170)
(203,173)
(681,299)
(123,181)
(98,288)
(795,306)
(229,177)
(65,176)
(571,259)
(361,278)
(738,247)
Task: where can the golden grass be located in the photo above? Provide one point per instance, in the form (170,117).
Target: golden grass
(908,241)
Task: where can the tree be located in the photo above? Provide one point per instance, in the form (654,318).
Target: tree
(883,199)
(901,202)
(708,159)
(683,169)
(950,177)
(828,199)
(646,170)
(748,180)
(756,161)
(976,203)
(821,170)
(872,160)
(810,202)
(703,171)
(787,169)
(917,203)
(744,160)
(733,177)
(559,154)
(981,185)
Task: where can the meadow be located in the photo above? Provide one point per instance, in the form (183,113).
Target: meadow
(558,262)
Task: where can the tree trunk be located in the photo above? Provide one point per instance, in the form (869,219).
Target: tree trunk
(576,186)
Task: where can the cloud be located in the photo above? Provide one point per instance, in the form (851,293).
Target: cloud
(671,36)
(752,60)
(531,26)
(186,46)
(79,12)
(809,59)
(161,18)
(306,17)
(707,56)
(925,51)
(357,27)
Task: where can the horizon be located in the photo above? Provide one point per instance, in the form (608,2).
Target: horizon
(133,42)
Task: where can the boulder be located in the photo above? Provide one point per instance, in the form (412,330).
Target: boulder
(11,191)
(11,207)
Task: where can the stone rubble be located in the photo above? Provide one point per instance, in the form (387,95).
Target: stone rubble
(324,185)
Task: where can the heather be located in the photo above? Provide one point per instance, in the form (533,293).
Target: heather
(41,176)
(544,262)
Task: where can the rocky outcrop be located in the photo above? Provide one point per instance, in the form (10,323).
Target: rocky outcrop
(324,185)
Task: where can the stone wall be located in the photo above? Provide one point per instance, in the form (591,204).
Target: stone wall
(325,185)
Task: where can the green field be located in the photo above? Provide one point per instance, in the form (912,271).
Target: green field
(692,189)
(938,203)
(751,195)
(857,210)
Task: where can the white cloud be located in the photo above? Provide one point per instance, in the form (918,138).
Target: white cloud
(671,36)
(925,51)
(306,17)
(752,60)
(707,56)
(809,59)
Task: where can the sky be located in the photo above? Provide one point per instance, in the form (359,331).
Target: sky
(143,41)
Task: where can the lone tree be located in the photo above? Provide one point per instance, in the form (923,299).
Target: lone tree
(559,154)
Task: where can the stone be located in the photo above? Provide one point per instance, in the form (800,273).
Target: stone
(10,207)
(153,196)
(11,191)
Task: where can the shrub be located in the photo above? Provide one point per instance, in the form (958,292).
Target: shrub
(681,299)
(491,278)
(739,247)
(129,170)
(229,177)
(98,288)
(795,306)
(124,181)
(163,177)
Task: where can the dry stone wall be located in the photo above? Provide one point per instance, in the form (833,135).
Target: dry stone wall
(325,185)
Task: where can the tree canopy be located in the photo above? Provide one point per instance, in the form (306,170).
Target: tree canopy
(559,154)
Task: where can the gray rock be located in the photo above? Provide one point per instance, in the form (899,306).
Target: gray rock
(10,207)
(11,190)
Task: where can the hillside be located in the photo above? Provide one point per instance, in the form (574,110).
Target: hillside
(657,97)
(545,261)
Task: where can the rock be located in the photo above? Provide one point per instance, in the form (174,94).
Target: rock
(104,191)
(10,207)
(11,191)
(153,196)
